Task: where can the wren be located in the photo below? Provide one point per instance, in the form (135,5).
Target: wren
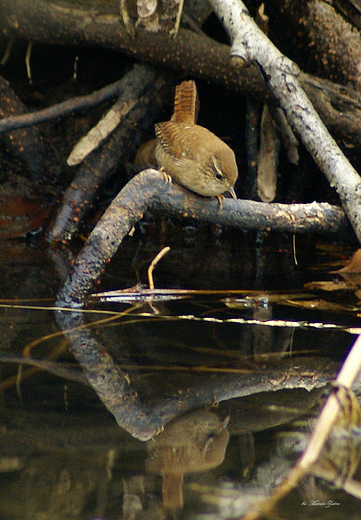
(195,441)
(192,155)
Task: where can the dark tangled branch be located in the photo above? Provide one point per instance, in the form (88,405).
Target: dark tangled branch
(62,109)
(189,53)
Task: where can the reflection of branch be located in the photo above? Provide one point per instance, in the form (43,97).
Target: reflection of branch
(56,368)
(148,191)
(110,383)
(143,415)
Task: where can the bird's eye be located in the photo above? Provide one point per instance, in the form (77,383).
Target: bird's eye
(217,171)
(209,441)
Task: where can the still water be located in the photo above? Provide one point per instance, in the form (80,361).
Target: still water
(179,406)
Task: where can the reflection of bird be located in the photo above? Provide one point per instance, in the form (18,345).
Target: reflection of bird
(192,155)
(194,442)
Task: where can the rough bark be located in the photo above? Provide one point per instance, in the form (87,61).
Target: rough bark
(325,43)
(147,91)
(281,74)
(190,53)
(149,191)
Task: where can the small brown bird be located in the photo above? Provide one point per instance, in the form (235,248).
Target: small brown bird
(193,442)
(192,155)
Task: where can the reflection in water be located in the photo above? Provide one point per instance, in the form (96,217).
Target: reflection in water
(194,442)
(341,453)
(60,486)
(84,470)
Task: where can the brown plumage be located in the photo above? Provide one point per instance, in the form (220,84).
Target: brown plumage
(192,155)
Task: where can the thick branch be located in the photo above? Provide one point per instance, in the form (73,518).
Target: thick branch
(149,191)
(189,53)
(144,90)
(327,44)
(251,44)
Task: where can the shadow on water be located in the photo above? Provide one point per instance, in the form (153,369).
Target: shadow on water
(181,408)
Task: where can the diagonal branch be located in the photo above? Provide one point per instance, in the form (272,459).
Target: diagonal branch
(281,74)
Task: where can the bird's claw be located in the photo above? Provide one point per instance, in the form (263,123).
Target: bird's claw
(167,178)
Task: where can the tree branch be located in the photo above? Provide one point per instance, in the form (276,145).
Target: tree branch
(62,109)
(252,45)
(189,53)
(148,191)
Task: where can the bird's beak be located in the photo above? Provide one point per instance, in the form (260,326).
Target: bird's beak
(226,421)
(232,192)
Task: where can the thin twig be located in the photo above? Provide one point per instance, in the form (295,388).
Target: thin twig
(27,61)
(8,49)
(154,262)
(61,109)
